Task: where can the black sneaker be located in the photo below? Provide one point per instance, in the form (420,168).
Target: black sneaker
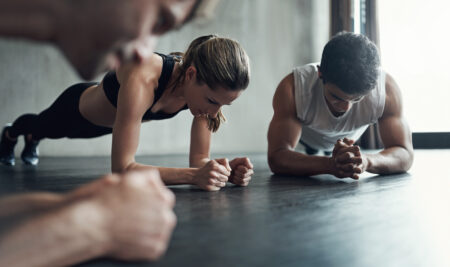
(7,148)
(30,153)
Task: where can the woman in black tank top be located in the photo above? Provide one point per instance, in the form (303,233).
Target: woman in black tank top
(212,72)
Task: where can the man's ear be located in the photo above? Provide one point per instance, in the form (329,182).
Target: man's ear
(320,73)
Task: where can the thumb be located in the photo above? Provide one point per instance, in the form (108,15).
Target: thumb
(224,162)
(241,161)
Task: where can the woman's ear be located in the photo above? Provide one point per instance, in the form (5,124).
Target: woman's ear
(191,73)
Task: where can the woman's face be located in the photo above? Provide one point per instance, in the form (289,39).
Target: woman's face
(203,100)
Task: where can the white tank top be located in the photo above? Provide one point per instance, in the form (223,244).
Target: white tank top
(320,128)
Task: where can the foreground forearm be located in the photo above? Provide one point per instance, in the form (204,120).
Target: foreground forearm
(294,163)
(67,235)
(390,160)
(17,205)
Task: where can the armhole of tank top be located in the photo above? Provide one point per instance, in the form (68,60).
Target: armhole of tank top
(382,95)
(297,94)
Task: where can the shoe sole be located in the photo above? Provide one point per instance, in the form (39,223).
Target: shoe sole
(28,162)
(8,163)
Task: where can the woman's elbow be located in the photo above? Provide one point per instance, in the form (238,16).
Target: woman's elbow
(122,167)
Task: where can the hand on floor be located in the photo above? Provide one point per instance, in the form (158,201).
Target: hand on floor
(138,218)
(348,160)
(242,171)
(92,188)
(213,175)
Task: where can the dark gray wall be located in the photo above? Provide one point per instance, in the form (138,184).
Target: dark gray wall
(277,35)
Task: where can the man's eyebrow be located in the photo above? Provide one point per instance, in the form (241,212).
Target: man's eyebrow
(192,14)
(202,9)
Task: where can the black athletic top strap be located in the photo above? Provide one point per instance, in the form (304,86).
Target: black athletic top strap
(111,87)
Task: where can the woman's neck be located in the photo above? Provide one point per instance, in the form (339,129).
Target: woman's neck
(178,89)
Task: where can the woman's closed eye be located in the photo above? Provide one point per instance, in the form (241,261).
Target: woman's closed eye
(212,102)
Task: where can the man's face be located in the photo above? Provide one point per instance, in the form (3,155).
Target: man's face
(108,33)
(338,101)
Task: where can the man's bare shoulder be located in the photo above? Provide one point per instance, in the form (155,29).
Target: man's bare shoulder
(147,71)
(285,89)
(394,103)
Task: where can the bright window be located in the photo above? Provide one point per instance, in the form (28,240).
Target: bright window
(415,49)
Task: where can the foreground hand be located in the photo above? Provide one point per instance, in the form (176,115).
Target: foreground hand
(138,216)
(212,176)
(242,171)
(92,188)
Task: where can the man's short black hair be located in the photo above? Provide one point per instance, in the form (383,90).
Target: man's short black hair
(351,62)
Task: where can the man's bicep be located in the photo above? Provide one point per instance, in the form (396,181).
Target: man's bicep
(284,133)
(394,131)
(285,128)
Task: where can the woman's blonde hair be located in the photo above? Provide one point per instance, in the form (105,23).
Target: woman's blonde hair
(219,62)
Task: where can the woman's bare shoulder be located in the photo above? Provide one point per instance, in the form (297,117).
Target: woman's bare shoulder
(146,71)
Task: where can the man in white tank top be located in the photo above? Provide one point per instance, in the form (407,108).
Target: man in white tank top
(329,106)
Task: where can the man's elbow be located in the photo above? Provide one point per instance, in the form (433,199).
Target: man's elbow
(404,163)
(275,164)
(408,160)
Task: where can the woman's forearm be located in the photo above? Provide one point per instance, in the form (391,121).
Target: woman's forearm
(170,176)
(198,162)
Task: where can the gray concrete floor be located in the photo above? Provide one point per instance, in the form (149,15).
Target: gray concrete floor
(396,220)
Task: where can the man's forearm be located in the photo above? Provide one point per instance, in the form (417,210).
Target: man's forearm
(66,235)
(16,205)
(295,163)
(390,160)
(35,19)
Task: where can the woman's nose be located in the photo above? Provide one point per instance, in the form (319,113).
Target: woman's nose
(213,112)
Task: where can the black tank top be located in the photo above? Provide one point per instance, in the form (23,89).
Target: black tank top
(111,87)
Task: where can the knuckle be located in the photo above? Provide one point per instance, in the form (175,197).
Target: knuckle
(215,167)
(171,198)
(212,188)
(158,250)
(170,219)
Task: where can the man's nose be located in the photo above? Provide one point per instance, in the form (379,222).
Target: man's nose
(143,48)
(344,105)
